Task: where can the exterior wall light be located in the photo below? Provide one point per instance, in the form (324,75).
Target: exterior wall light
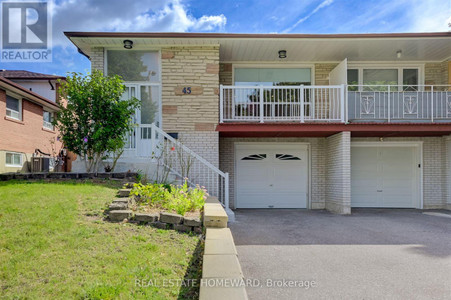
(398,54)
(282,53)
(128,44)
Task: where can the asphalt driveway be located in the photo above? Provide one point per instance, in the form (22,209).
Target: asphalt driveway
(371,254)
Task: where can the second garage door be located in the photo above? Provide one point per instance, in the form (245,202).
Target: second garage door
(271,175)
(385,176)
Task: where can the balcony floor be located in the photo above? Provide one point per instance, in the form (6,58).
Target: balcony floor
(240,129)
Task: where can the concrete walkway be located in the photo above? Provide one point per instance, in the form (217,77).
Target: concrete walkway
(371,254)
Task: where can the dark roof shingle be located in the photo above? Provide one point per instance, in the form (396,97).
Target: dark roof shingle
(22,74)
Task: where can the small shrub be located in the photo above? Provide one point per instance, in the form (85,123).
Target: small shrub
(179,199)
(150,194)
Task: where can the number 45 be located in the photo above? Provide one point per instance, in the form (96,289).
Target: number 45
(186,90)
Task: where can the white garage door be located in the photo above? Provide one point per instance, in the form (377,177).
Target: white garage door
(385,176)
(271,176)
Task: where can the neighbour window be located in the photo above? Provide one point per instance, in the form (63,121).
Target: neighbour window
(13,108)
(48,118)
(13,159)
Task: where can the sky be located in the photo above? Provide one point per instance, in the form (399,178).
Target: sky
(240,16)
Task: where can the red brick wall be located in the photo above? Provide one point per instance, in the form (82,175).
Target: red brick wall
(28,134)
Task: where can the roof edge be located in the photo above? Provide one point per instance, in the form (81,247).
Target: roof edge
(32,96)
(71,34)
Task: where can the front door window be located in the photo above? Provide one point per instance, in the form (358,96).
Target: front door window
(140,71)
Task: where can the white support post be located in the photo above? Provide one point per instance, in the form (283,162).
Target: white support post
(389,104)
(226,190)
(301,97)
(221,104)
(342,102)
(346,104)
(432,103)
(261,104)
(152,140)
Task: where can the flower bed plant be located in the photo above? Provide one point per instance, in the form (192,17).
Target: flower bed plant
(179,199)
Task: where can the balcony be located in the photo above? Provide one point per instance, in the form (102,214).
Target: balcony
(336,103)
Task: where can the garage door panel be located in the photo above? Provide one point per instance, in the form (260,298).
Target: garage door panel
(384,176)
(253,200)
(280,180)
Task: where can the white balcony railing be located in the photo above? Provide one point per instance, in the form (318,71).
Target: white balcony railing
(399,103)
(335,103)
(282,103)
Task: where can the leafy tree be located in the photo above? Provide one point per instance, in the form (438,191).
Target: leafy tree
(95,121)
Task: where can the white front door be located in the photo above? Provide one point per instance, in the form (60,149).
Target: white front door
(385,176)
(138,141)
(271,175)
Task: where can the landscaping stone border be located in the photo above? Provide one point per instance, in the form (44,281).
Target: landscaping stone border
(62,175)
(119,211)
(220,260)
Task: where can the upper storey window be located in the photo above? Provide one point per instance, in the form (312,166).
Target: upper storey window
(272,76)
(134,65)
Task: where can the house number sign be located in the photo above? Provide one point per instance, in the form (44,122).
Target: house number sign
(188,90)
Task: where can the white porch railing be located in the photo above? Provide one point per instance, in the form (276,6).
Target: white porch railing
(282,103)
(399,103)
(171,155)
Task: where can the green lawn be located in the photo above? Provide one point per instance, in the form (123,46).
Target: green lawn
(55,245)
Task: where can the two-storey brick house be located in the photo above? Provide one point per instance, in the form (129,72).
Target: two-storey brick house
(27,106)
(293,120)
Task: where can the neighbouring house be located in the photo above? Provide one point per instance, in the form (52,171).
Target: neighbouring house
(27,104)
(316,121)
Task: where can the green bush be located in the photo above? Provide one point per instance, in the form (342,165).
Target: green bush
(179,199)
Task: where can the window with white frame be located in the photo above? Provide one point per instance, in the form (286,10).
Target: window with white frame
(272,76)
(13,159)
(379,78)
(48,118)
(140,70)
(13,107)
